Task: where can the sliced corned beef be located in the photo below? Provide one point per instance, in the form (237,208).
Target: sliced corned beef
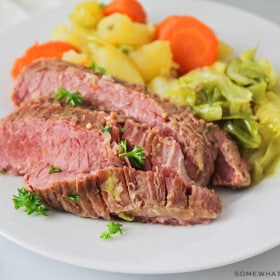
(200,153)
(44,131)
(125,192)
(231,169)
(61,136)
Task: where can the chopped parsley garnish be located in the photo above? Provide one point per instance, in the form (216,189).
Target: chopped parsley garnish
(106,128)
(125,48)
(122,130)
(3,171)
(97,68)
(112,229)
(30,201)
(74,197)
(136,156)
(72,98)
(54,169)
(207,129)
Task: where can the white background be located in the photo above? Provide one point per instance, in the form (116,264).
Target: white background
(18,263)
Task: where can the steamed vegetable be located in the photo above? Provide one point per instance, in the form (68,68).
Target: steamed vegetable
(119,29)
(248,72)
(49,49)
(131,8)
(176,45)
(240,96)
(87,14)
(162,64)
(192,42)
(74,34)
(266,159)
(114,61)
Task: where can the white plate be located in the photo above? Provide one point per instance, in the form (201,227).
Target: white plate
(249,224)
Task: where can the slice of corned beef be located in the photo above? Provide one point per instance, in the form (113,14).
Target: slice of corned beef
(127,193)
(45,77)
(231,170)
(44,131)
(61,136)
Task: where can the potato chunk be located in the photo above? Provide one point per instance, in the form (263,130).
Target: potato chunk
(86,14)
(113,61)
(74,34)
(153,59)
(119,29)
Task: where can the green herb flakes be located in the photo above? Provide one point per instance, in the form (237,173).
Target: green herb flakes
(136,156)
(30,201)
(72,98)
(112,229)
(54,169)
(106,128)
(74,197)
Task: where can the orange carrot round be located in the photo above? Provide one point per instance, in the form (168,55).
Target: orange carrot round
(49,49)
(131,8)
(193,43)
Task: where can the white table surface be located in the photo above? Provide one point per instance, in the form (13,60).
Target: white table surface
(18,263)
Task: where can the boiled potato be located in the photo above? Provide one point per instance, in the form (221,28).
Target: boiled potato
(86,14)
(161,86)
(113,61)
(119,29)
(153,59)
(79,58)
(225,51)
(168,88)
(75,35)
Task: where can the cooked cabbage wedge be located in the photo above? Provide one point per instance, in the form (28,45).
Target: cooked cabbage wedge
(241,96)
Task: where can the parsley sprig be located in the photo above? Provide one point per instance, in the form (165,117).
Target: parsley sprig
(136,156)
(106,128)
(125,48)
(30,201)
(97,68)
(74,197)
(72,98)
(54,169)
(112,229)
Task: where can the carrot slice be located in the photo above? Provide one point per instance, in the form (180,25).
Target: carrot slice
(165,29)
(131,8)
(193,43)
(49,49)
